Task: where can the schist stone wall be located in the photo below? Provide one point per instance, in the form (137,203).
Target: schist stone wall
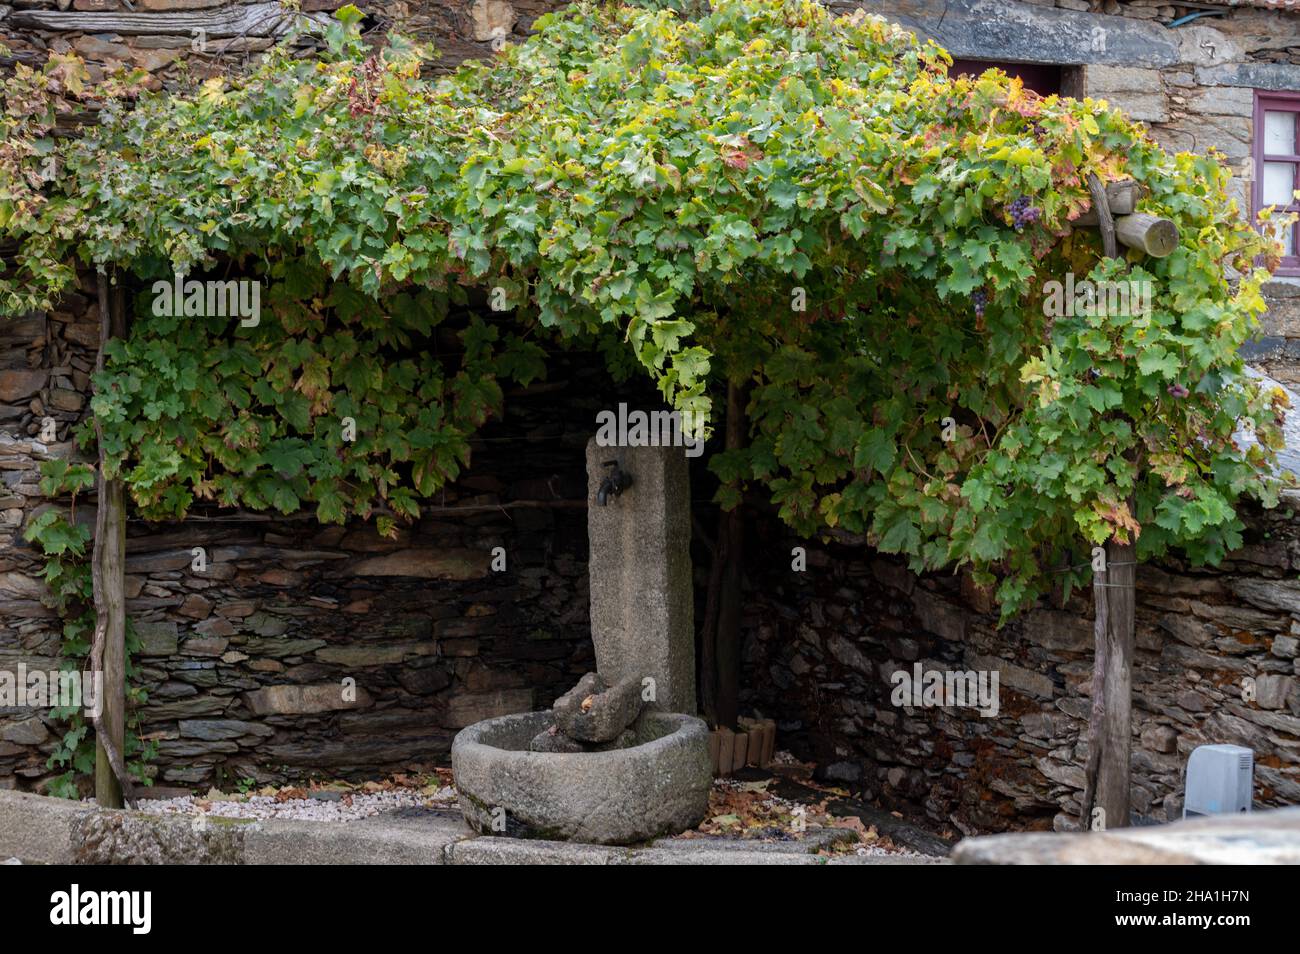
(821,647)
(162,35)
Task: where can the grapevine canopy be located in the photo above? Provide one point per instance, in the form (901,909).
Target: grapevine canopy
(805,205)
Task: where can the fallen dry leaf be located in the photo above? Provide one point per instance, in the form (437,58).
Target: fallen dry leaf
(866,835)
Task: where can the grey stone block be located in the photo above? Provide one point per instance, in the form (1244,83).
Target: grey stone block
(1271,691)
(886,860)
(1007,31)
(515,851)
(386,839)
(1222,101)
(717,856)
(1267,76)
(158,639)
(1203,46)
(642,609)
(37,828)
(297,700)
(610,711)
(109,837)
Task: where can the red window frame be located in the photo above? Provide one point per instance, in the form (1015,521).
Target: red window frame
(1284,103)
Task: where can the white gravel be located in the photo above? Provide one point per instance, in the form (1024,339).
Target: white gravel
(362,805)
(331,805)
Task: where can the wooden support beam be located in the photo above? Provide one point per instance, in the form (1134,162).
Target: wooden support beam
(1105,221)
(1110,727)
(1117,720)
(108,568)
(1106,777)
(1113,212)
(1155,236)
(1121,198)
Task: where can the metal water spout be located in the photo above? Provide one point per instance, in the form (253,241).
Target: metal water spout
(613,483)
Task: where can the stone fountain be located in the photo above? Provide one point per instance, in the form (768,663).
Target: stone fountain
(620,758)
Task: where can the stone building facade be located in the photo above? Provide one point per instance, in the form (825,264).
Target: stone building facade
(234,659)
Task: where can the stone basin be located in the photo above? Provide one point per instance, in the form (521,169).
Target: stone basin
(658,786)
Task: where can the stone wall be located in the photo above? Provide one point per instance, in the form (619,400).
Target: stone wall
(821,648)
(162,36)
(244,663)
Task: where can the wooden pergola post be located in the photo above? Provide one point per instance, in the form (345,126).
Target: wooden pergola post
(108,569)
(1110,725)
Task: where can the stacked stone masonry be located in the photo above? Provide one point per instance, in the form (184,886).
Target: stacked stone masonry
(1217,661)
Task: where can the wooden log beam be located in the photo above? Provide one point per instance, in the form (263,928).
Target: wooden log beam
(731,542)
(1105,221)
(1110,727)
(1105,800)
(1155,236)
(253,19)
(1121,198)
(1117,722)
(1149,234)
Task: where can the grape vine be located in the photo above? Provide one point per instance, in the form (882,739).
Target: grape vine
(667,186)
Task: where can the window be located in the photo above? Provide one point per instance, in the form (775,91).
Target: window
(1276,151)
(1042,78)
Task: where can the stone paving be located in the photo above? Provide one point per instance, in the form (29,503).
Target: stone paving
(37,829)
(42,830)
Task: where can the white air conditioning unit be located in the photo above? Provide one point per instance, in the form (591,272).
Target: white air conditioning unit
(1220,779)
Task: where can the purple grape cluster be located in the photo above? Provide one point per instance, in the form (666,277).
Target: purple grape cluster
(1022,213)
(1178,391)
(979,298)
